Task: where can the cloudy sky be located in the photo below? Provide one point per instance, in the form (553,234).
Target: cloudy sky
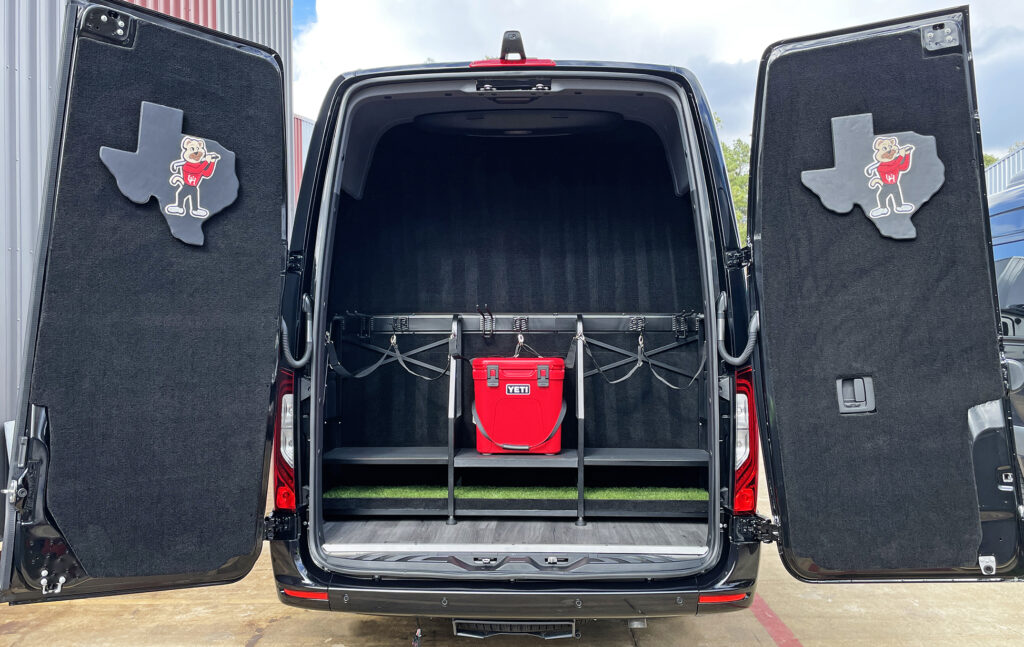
(720,41)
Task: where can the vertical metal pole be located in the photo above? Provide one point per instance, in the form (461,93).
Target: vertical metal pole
(702,385)
(454,410)
(580,448)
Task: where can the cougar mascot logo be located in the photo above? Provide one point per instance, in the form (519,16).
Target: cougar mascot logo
(891,160)
(187,174)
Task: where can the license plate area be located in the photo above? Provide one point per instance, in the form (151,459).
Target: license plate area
(548,630)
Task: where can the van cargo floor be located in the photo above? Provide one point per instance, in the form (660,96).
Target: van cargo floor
(513,535)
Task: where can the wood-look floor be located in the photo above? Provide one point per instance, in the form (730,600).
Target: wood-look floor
(674,534)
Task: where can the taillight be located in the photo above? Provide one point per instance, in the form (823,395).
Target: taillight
(718,598)
(745,426)
(284,441)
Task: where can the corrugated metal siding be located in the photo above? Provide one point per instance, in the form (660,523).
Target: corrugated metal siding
(998,176)
(30,52)
(268,22)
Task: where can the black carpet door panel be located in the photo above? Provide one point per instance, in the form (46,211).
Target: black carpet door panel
(155,358)
(582,223)
(894,488)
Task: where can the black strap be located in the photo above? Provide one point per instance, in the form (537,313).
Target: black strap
(518,448)
(401,361)
(641,358)
(639,362)
(700,367)
(335,364)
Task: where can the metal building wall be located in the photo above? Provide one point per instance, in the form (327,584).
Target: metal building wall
(998,176)
(268,22)
(29,54)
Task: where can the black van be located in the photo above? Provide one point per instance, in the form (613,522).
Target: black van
(186,359)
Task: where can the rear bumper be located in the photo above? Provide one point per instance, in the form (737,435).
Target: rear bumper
(527,605)
(302,587)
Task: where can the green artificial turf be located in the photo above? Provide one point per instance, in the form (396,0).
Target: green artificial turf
(645,493)
(515,493)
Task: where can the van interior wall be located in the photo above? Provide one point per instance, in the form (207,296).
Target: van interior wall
(569,224)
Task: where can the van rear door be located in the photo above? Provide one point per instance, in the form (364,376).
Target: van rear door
(882,403)
(141,450)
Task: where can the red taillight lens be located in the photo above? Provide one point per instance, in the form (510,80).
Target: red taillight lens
(284,441)
(306,595)
(745,425)
(713,598)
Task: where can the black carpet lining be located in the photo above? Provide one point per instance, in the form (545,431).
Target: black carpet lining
(581,223)
(154,357)
(903,492)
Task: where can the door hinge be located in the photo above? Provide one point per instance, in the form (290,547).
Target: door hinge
(737,258)
(754,529)
(279,526)
(295,262)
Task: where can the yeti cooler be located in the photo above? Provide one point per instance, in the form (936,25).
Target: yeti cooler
(518,405)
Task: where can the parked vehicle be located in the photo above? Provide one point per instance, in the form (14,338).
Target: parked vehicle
(1006,213)
(521,207)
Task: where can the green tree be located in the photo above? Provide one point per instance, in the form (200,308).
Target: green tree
(737,165)
(992,159)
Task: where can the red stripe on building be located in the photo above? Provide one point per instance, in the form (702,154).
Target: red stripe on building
(297,152)
(198,12)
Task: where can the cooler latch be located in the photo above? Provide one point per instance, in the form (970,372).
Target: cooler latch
(492,375)
(543,371)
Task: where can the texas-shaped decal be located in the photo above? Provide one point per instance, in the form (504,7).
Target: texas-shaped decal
(191,177)
(890,176)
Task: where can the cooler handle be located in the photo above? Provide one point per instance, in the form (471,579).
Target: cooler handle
(519,448)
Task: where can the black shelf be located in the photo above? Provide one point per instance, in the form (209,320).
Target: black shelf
(468,457)
(388,455)
(513,512)
(386,507)
(647,509)
(645,457)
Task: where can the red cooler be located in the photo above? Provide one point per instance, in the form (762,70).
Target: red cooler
(518,406)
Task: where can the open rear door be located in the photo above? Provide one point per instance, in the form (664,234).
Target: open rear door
(883,399)
(141,451)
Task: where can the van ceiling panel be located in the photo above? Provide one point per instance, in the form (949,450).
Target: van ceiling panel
(518,123)
(376,110)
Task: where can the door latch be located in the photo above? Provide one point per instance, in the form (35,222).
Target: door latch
(855,394)
(987,564)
